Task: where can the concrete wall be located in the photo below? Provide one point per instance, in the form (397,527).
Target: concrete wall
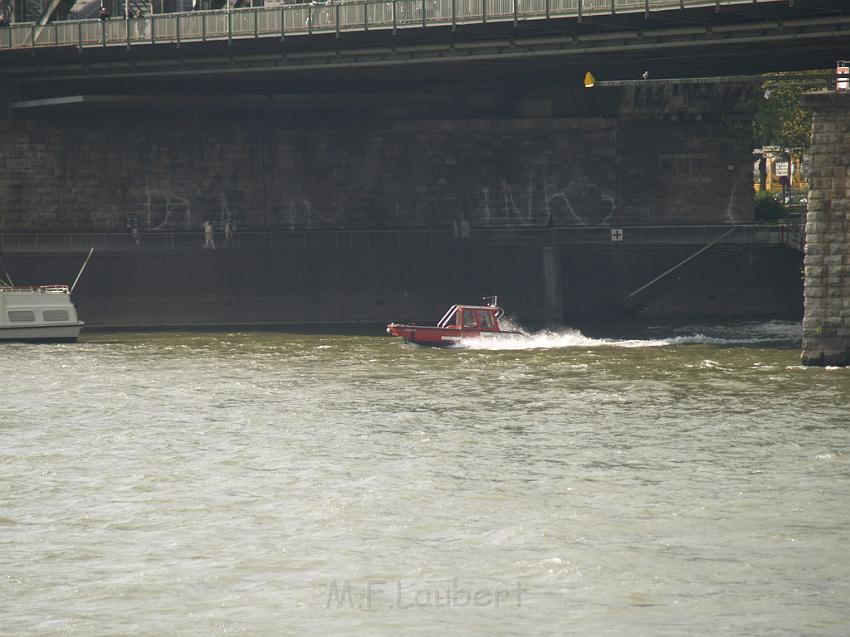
(728,281)
(217,288)
(288,288)
(826,325)
(654,154)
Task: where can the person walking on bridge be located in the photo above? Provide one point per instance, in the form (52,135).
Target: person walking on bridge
(104,16)
(141,24)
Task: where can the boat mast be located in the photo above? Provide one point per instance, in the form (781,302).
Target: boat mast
(80,273)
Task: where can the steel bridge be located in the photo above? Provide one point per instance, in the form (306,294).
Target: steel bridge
(338,17)
(676,38)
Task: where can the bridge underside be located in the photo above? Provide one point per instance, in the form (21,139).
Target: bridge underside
(492,157)
(696,42)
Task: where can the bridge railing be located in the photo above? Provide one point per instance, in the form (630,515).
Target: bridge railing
(155,240)
(304,19)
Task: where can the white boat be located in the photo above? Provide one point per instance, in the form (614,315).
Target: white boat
(38,313)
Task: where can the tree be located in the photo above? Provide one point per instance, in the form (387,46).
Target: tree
(781,119)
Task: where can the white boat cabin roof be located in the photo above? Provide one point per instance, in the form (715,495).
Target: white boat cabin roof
(35,295)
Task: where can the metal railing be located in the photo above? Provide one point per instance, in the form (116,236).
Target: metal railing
(305,19)
(331,240)
(29,289)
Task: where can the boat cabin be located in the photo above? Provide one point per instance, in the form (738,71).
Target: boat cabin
(472,317)
(39,312)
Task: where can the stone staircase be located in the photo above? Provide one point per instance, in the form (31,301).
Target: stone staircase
(654,298)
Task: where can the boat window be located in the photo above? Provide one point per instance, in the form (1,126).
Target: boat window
(468,318)
(19,316)
(485,320)
(55,315)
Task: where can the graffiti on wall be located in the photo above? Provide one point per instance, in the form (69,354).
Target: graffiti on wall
(300,212)
(537,202)
(161,208)
(164,208)
(545,202)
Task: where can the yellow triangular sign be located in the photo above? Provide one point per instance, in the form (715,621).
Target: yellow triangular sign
(589,80)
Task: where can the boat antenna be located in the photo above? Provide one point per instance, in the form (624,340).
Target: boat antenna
(8,279)
(491,301)
(80,273)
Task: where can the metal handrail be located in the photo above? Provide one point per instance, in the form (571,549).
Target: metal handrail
(679,264)
(307,19)
(335,240)
(29,289)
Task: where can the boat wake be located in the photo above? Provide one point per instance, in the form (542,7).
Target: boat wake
(773,333)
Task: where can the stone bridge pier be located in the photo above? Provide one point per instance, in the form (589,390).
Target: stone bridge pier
(826,322)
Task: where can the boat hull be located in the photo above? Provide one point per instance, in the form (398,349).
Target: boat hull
(424,335)
(41,333)
(431,336)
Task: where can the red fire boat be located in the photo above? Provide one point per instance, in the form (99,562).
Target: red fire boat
(459,322)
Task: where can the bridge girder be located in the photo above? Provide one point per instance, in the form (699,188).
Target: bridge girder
(711,41)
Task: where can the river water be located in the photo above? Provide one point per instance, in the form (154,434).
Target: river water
(686,481)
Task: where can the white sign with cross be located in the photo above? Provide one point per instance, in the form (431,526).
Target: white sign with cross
(616,234)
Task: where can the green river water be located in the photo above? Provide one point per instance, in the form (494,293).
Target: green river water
(684,481)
